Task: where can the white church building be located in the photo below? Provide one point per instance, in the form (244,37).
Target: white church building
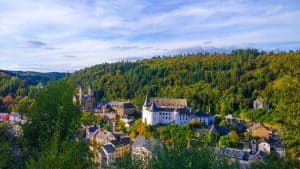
(170,111)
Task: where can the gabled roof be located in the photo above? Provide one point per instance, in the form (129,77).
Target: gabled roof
(126,105)
(233,153)
(203,114)
(109,148)
(93,128)
(121,141)
(219,129)
(258,125)
(169,102)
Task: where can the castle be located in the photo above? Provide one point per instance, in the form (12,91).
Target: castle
(166,111)
(85,100)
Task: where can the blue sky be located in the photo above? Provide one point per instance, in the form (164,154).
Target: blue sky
(66,35)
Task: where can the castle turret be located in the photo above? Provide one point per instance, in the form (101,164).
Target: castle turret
(153,107)
(146,103)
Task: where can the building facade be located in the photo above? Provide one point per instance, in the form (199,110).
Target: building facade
(86,101)
(166,111)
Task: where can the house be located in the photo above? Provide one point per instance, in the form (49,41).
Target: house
(205,118)
(215,129)
(108,154)
(264,146)
(102,137)
(233,153)
(112,109)
(239,123)
(277,145)
(259,130)
(259,156)
(123,108)
(115,149)
(90,131)
(143,147)
(257,104)
(128,121)
(122,145)
(166,111)
(4,117)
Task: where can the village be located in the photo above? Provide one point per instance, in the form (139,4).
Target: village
(244,141)
(240,140)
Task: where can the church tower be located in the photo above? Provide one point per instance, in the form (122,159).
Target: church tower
(90,91)
(81,94)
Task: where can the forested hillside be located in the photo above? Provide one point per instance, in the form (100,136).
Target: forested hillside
(15,84)
(222,83)
(33,78)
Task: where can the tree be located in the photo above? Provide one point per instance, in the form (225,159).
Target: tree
(195,123)
(87,118)
(5,150)
(52,132)
(229,140)
(24,106)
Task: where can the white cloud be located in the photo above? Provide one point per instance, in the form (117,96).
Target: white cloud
(103,31)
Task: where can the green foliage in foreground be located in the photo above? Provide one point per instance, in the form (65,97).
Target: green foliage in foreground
(172,158)
(51,137)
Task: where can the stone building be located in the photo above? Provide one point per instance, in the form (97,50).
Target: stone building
(166,111)
(86,101)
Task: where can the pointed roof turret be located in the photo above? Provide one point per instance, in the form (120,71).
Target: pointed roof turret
(146,103)
(153,107)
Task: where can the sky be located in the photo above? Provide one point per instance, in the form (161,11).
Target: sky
(68,35)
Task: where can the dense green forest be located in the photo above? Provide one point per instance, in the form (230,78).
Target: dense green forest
(16,84)
(221,83)
(33,78)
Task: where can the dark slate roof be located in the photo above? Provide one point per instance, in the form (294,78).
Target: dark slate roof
(126,105)
(153,107)
(203,114)
(233,153)
(109,148)
(121,141)
(222,129)
(93,129)
(129,105)
(219,129)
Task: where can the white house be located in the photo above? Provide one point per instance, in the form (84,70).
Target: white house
(166,111)
(264,146)
(205,118)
